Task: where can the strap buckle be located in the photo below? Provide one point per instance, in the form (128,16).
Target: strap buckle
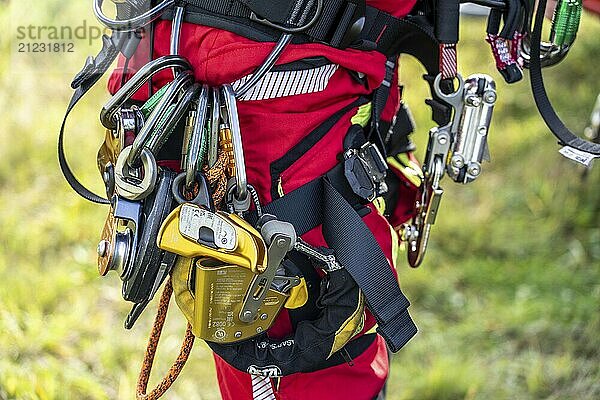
(301,28)
(365,169)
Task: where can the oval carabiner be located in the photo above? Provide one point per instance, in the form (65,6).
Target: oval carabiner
(133,23)
(549,53)
(236,138)
(163,131)
(418,231)
(182,81)
(197,142)
(176,34)
(110,109)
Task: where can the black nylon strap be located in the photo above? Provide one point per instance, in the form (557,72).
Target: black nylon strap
(446,20)
(380,98)
(402,126)
(281,12)
(357,250)
(278,11)
(83,82)
(558,128)
(381,31)
(320,203)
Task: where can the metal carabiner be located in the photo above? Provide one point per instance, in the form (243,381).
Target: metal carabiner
(182,81)
(110,109)
(549,53)
(418,232)
(213,140)
(197,139)
(133,23)
(162,132)
(266,65)
(236,136)
(176,34)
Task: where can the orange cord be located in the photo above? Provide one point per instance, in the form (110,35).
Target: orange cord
(184,353)
(217,179)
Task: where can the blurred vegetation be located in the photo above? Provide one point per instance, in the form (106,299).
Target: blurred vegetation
(507,301)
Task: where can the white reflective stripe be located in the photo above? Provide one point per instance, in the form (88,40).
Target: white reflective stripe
(262,388)
(288,83)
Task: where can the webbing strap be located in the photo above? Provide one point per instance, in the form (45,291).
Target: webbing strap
(446,31)
(336,26)
(557,127)
(380,97)
(281,12)
(356,249)
(320,203)
(92,72)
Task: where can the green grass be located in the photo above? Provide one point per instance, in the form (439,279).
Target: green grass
(507,301)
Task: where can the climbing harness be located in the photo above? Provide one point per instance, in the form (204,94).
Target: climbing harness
(232,261)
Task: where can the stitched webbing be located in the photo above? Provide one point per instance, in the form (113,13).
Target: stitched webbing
(319,202)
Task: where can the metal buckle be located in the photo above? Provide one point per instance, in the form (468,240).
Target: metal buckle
(264,21)
(365,169)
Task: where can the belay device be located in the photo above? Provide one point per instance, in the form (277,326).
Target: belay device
(232,277)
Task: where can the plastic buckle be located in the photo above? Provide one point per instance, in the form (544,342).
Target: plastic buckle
(365,169)
(355,25)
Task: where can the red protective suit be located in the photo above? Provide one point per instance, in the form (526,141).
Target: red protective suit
(270,127)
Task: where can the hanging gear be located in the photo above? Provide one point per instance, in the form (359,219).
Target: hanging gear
(239,265)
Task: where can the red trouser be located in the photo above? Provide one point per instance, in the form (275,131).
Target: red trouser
(270,127)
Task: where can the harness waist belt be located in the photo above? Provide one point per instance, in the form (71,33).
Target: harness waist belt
(341,24)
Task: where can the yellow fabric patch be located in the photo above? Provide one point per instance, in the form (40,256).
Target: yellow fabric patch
(379,204)
(395,247)
(351,327)
(362,116)
(411,170)
(372,330)
(298,296)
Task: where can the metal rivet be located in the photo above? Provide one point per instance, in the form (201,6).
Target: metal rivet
(238,335)
(473,101)
(490,97)
(457,161)
(102,248)
(259,330)
(264,316)
(474,170)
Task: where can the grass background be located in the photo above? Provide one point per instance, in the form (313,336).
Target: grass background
(507,301)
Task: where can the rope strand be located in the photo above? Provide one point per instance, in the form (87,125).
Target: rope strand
(176,368)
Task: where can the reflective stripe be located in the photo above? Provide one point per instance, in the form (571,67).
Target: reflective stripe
(262,388)
(288,83)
